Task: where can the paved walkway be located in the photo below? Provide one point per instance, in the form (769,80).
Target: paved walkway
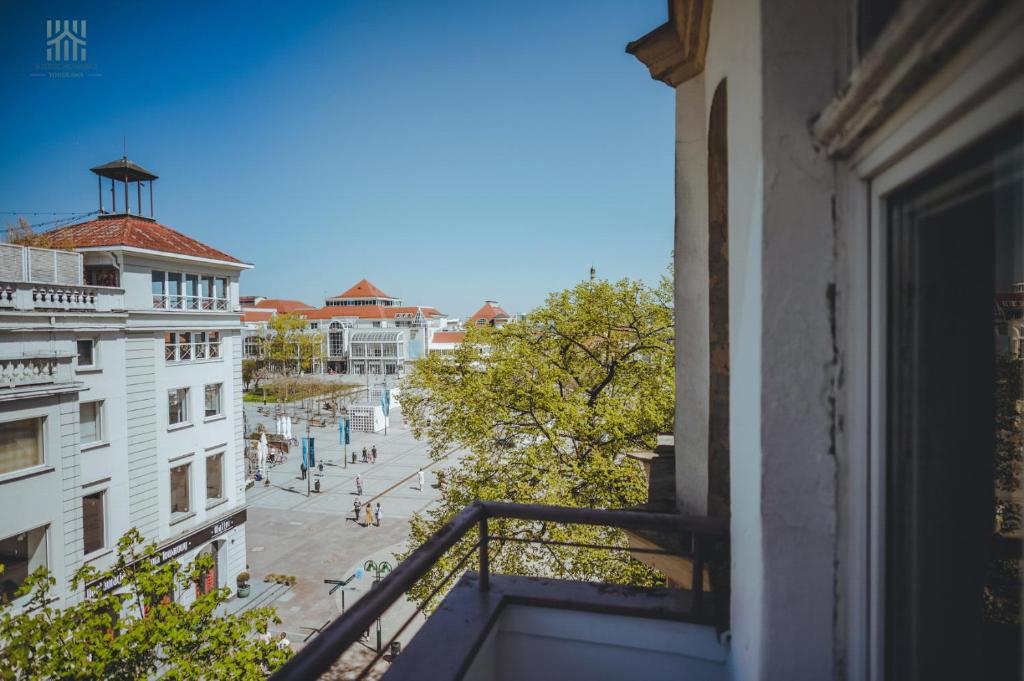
(314,537)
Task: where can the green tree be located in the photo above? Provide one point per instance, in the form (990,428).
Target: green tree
(135,631)
(291,346)
(547,406)
(253,372)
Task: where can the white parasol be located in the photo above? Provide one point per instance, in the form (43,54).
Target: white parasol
(261,454)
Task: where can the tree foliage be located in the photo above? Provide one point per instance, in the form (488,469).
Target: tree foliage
(254,371)
(291,346)
(135,631)
(547,406)
(22,233)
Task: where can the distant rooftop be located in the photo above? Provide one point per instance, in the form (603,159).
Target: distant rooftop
(364,289)
(490,310)
(283,305)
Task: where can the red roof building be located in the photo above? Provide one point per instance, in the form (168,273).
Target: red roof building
(131,231)
(491,313)
(448,337)
(257,316)
(282,305)
(363,293)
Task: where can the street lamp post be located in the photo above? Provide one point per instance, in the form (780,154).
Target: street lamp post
(344,436)
(379,568)
(308,459)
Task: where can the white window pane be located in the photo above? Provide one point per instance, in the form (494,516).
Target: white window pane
(89,422)
(21,444)
(177,406)
(213,399)
(180,498)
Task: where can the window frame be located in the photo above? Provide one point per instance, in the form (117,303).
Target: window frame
(178,516)
(186,408)
(104,525)
(883,165)
(100,435)
(214,501)
(93,352)
(44,544)
(41,439)
(220,401)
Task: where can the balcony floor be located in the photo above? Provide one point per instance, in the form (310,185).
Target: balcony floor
(526,627)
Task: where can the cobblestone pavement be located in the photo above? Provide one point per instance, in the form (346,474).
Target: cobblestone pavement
(314,537)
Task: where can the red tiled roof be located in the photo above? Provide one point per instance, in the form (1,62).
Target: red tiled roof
(448,337)
(363,289)
(490,310)
(257,315)
(283,305)
(135,232)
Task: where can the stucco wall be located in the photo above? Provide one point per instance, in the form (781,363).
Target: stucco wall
(799,370)
(734,55)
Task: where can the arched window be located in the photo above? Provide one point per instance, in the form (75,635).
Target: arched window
(718,305)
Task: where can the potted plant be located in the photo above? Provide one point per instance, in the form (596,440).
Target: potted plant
(243,584)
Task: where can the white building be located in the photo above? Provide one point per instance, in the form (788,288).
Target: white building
(366,331)
(446,342)
(120,403)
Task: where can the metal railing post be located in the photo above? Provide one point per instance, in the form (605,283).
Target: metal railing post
(697,578)
(485,560)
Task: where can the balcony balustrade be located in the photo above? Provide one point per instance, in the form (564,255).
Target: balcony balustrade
(192,352)
(17,372)
(701,537)
(190,303)
(28,296)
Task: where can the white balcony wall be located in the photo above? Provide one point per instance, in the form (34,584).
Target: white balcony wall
(570,645)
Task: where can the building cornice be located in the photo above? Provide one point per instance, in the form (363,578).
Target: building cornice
(173,257)
(675,51)
(921,39)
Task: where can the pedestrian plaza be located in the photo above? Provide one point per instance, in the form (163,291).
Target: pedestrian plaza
(314,536)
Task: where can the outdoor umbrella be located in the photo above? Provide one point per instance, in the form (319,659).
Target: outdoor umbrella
(261,454)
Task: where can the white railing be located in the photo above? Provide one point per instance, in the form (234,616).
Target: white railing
(21,371)
(192,352)
(33,296)
(169,302)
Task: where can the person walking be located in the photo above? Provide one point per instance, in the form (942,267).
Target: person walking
(378,514)
(374,450)
(359,485)
(302,469)
(367,515)
(364,454)
(356,506)
(422,478)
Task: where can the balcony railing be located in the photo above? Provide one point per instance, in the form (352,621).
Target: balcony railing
(702,533)
(24,371)
(59,297)
(192,352)
(197,303)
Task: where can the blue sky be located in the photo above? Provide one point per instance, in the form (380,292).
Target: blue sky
(451,151)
